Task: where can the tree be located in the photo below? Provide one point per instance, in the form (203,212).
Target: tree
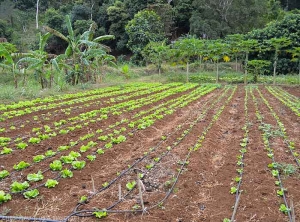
(5,30)
(8,62)
(78,43)
(234,42)
(296,58)
(145,27)
(258,67)
(188,48)
(118,17)
(38,60)
(218,18)
(218,50)
(276,45)
(156,52)
(247,46)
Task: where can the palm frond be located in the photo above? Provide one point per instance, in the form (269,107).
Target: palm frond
(56,33)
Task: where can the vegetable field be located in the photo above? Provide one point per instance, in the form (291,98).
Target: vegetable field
(153,152)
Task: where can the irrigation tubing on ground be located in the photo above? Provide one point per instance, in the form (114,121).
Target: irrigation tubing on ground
(108,210)
(80,213)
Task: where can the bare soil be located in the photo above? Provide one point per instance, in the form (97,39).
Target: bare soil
(202,189)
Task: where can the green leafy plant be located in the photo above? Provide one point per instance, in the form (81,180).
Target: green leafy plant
(38,158)
(22,146)
(149,166)
(74,154)
(6,150)
(67,159)
(35,176)
(105,184)
(31,194)
(91,157)
(3,174)
(56,165)
(108,145)
(130,185)
(100,151)
(100,214)
(18,187)
(102,138)
(22,165)
(83,199)
(233,190)
(284,209)
(34,140)
(4,197)
(50,153)
(51,183)
(66,173)
(78,165)
(62,148)
(118,140)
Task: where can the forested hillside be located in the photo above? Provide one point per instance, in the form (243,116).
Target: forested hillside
(205,19)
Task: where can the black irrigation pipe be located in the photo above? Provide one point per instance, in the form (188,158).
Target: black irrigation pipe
(79,100)
(117,103)
(109,211)
(153,149)
(245,128)
(59,176)
(27,219)
(168,193)
(15,171)
(260,118)
(281,127)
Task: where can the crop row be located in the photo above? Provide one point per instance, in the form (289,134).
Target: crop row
(57,165)
(287,99)
(159,157)
(54,99)
(64,126)
(270,132)
(70,103)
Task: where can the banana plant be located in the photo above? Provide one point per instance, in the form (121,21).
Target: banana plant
(77,44)
(38,60)
(97,58)
(8,63)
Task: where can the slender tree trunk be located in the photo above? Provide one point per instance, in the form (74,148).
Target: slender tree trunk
(217,79)
(274,73)
(37,14)
(236,64)
(246,69)
(299,73)
(187,72)
(15,78)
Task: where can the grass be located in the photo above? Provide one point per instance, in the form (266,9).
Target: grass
(114,76)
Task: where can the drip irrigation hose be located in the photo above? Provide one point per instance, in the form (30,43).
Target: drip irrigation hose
(273,160)
(159,202)
(108,210)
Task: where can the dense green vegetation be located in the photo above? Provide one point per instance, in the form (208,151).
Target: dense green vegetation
(58,42)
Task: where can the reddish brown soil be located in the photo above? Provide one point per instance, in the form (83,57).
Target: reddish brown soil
(293,90)
(202,192)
